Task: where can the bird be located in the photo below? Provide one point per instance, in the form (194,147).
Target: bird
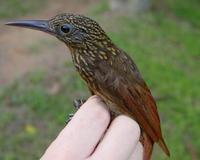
(108,71)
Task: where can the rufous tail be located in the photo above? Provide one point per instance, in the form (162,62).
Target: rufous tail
(162,144)
(147,146)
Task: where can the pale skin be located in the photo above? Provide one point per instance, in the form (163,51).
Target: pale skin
(90,136)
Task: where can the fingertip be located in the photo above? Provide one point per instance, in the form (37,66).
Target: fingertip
(94,97)
(86,128)
(97,109)
(130,125)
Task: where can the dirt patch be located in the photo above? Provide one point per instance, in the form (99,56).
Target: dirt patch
(23,50)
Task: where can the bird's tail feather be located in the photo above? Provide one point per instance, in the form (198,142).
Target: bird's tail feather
(162,144)
(147,146)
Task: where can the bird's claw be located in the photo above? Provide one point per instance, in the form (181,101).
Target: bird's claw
(77,104)
(70,116)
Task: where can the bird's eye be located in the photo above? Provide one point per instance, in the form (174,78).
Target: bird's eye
(66,28)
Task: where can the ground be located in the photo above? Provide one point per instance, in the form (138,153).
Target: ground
(38,81)
(28,50)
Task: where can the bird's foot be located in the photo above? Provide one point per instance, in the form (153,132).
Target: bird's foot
(70,116)
(77,104)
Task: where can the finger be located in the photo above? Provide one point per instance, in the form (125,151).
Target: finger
(119,141)
(79,138)
(137,153)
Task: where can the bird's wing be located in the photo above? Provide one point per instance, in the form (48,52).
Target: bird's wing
(120,82)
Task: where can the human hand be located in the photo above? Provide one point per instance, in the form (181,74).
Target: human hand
(87,136)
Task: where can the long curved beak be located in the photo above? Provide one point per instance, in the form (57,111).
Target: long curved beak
(41,25)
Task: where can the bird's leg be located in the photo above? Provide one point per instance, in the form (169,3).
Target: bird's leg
(77,103)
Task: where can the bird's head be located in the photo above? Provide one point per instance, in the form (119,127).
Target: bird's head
(76,31)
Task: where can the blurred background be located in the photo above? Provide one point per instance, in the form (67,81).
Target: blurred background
(38,81)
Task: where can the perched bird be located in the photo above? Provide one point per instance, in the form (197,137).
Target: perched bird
(108,71)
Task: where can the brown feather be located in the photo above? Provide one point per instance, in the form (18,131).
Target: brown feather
(147,146)
(132,97)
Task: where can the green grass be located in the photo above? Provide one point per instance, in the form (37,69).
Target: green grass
(186,10)
(167,52)
(100,8)
(32,111)
(39,46)
(14,8)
